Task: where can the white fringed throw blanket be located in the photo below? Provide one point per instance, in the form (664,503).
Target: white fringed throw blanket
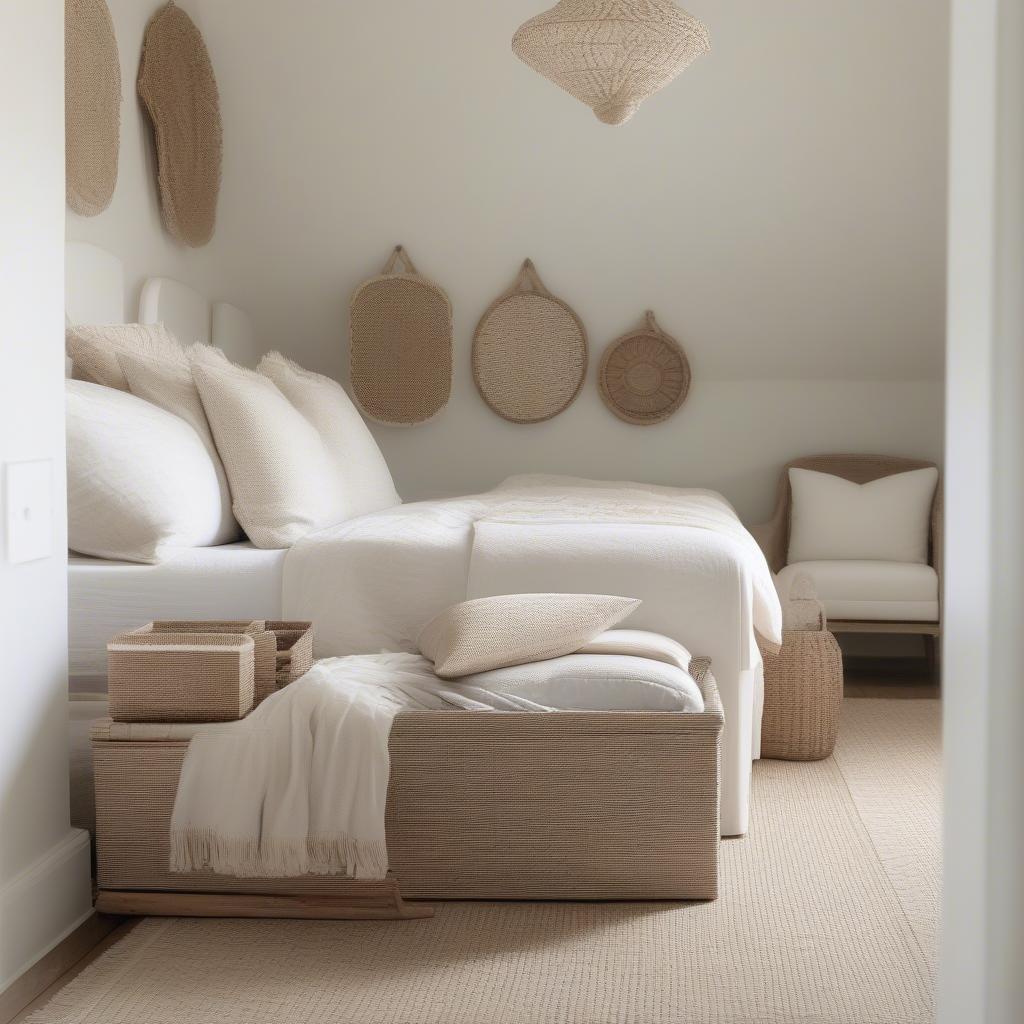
(300,786)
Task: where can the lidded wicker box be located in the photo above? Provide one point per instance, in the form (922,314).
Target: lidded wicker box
(164,676)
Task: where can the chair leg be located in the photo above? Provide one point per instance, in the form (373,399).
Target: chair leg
(931,653)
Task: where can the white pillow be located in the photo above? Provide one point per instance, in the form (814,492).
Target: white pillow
(365,478)
(886,520)
(283,479)
(93,349)
(513,629)
(167,382)
(140,482)
(593,682)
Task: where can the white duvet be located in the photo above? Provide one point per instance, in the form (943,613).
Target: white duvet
(371,584)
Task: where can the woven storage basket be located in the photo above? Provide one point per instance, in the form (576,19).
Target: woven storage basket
(529,352)
(179,91)
(92,106)
(644,375)
(481,805)
(803,693)
(293,650)
(401,345)
(180,677)
(264,642)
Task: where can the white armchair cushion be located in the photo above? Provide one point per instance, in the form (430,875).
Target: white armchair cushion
(872,591)
(886,520)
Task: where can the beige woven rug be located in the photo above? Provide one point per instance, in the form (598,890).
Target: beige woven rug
(827,915)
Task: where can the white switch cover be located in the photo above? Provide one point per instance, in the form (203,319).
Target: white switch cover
(28,510)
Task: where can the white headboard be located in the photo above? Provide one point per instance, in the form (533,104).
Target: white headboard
(182,310)
(94,291)
(93,285)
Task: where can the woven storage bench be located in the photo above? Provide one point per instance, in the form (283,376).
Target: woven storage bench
(481,805)
(293,650)
(803,686)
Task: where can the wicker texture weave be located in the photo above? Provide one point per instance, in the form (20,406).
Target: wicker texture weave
(92,106)
(644,375)
(401,345)
(179,91)
(168,677)
(481,805)
(611,54)
(293,650)
(264,646)
(803,694)
(529,352)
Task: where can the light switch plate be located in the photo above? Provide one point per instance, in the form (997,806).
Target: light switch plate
(28,510)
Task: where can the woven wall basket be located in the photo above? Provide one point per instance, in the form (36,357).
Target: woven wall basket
(92,106)
(645,375)
(401,356)
(529,352)
(178,88)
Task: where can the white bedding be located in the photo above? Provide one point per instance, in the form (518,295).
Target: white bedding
(371,584)
(234,581)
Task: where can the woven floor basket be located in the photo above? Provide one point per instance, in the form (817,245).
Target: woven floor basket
(529,352)
(401,345)
(803,692)
(92,106)
(481,805)
(644,375)
(179,91)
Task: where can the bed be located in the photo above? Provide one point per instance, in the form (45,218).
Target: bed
(372,583)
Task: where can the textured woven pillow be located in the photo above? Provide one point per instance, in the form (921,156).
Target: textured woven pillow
(93,350)
(167,382)
(886,520)
(283,480)
(140,483)
(514,629)
(363,474)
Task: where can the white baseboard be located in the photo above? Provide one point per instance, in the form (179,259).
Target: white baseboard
(43,904)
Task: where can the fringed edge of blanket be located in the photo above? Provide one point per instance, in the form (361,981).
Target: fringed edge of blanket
(196,849)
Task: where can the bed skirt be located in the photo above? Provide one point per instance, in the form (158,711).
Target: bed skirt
(481,805)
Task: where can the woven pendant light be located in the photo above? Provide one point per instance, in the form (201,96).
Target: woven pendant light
(611,54)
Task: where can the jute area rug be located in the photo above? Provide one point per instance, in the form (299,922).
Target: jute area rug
(828,914)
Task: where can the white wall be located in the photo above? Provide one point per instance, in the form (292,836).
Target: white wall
(44,864)
(781,207)
(983,917)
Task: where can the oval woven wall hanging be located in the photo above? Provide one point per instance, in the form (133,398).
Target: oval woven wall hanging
(644,375)
(92,106)
(401,345)
(529,352)
(179,90)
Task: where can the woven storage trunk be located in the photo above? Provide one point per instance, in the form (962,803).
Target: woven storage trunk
(263,638)
(166,677)
(481,805)
(803,693)
(293,650)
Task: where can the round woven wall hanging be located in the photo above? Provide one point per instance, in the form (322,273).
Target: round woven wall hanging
(529,352)
(92,106)
(401,355)
(178,88)
(644,375)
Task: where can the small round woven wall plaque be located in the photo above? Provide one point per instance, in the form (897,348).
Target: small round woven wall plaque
(92,106)
(401,345)
(179,90)
(529,352)
(644,375)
